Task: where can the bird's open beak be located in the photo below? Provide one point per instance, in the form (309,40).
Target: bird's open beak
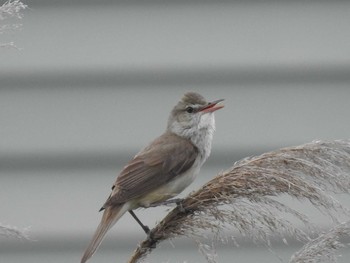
(212,106)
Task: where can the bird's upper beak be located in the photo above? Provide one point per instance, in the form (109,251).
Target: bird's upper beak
(212,106)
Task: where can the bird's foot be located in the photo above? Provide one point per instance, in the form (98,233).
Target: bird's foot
(147,230)
(152,241)
(180,206)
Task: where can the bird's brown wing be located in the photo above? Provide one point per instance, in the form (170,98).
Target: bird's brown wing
(160,162)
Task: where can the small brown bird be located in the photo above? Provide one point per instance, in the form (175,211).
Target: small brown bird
(164,168)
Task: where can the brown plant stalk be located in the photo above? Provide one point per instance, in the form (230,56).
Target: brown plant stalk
(244,197)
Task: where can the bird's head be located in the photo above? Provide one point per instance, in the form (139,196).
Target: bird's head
(192,114)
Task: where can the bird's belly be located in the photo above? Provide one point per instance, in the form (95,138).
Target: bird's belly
(172,188)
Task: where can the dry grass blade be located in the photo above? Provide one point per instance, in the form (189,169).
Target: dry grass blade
(10,11)
(242,197)
(323,248)
(11,231)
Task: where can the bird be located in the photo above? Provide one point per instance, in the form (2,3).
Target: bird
(164,168)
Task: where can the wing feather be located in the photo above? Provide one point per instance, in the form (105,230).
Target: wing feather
(162,161)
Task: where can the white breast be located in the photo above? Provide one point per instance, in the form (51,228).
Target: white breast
(202,139)
(204,136)
(201,136)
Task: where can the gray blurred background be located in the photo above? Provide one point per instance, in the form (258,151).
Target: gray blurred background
(95,80)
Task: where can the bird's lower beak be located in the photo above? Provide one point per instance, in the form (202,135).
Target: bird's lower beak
(212,106)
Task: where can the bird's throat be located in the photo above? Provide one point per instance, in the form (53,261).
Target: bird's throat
(203,136)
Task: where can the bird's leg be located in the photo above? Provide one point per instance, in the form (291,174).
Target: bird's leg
(145,228)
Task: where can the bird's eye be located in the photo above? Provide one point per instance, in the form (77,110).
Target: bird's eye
(189,109)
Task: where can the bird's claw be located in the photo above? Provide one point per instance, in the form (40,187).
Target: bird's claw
(151,240)
(180,206)
(147,230)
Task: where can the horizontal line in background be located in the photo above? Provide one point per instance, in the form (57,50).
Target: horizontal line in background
(98,160)
(67,3)
(175,76)
(78,242)
(74,242)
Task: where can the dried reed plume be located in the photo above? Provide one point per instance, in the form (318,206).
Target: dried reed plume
(11,231)
(10,10)
(244,197)
(323,248)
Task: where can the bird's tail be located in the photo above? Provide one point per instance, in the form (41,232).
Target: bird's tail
(109,218)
